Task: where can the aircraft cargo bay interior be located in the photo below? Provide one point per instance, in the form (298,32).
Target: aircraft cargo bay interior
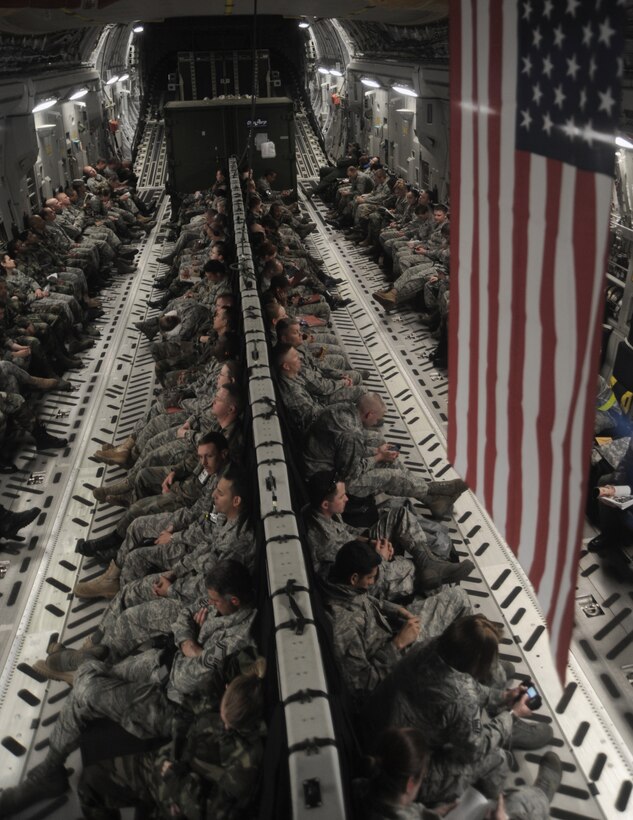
(240,574)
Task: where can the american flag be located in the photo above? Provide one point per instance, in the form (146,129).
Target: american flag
(534,107)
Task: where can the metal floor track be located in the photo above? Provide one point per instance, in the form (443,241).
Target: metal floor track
(592,717)
(115,388)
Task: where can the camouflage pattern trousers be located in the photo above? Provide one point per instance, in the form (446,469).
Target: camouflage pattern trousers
(120,693)
(158,423)
(136,559)
(152,501)
(136,615)
(437,612)
(391,478)
(413,280)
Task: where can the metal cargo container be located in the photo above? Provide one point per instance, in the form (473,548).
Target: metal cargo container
(203,134)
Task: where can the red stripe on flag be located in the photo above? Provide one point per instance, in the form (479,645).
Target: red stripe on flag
(567,622)
(547,383)
(494,191)
(584,242)
(474,353)
(514,408)
(455,46)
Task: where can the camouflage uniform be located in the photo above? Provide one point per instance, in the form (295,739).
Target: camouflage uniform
(323,373)
(452,710)
(417,280)
(326,535)
(204,386)
(151,525)
(419,232)
(362,183)
(378,219)
(303,405)
(10,404)
(183,492)
(206,540)
(14,379)
(54,302)
(336,441)
(165,450)
(214,775)
(363,638)
(374,200)
(136,614)
(142,696)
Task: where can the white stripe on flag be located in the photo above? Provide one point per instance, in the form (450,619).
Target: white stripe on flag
(564,353)
(532,398)
(603,190)
(506,220)
(482,205)
(465,211)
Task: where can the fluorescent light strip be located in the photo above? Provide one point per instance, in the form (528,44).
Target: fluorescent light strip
(44,105)
(402,89)
(623,142)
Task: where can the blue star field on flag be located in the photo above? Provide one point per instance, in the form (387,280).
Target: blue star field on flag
(569,73)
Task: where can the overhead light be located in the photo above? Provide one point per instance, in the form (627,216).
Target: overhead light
(44,105)
(138,29)
(303,24)
(405,111)
(322,70)
(78,94)
(46,127)
(402,89)
(112,80)
(369,82)
(124,77)
(623,143)
(335,72)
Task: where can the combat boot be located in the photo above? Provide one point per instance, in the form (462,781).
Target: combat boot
(120,456)
(120,488)
(385,298)
(93,547)
(12,522)
(105,586)
(47,780)
(61,663)
(441,495)
(528,735)
(433,572)
(44,440)
(550,773)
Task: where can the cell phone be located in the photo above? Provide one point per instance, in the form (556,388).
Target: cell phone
(394,447)
(534,700)
(148,542)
